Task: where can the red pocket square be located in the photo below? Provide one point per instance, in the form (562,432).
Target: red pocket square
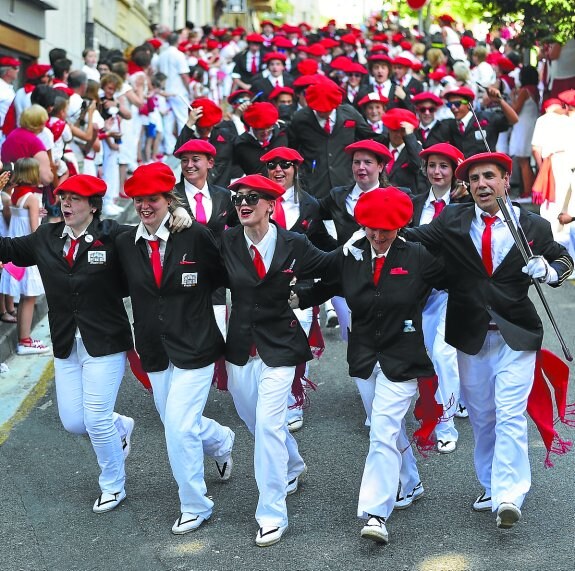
(530,244)
(220,139)
(97,244)
(186,263)
(288,271)
(349,123)
(398,272)
(404,165)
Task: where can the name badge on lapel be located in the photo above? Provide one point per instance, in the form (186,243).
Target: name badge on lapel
(97,258)
(479,134)
(189,279)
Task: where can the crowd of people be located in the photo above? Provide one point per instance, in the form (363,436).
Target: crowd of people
(359,169)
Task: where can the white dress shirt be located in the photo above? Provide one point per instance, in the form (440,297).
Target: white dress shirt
(290,207)
(191,192)
(353,197)
(162,234)
(428,208)
(266,246)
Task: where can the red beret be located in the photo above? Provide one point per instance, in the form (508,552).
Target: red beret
(155,178)
(196,146)
(184,46)
(9,62)
(258,182)
(282,42)
(445,149)
(501,159)
(437,75)
(304,25)
(83,185)
(267,23)
(37,70)
(463,92)
(307,67)
(254,39)
(379,58)
(237,94)
(348,39)
(211,115)
(416,65)
(384,209)
(239,31)
(329,43)
(341,63)
(277,91)
(324,97)
(567,97)
(394,117)
(155,43)
(427,96)
(505,64)
(203,64)
(380,37)
(275,55)
(468,42)
(405,45)
(219,33)
(307,80)
(397,38)
(261,115)
(371,147)
(551,101)
(285,153)
(356,68)
(373,97)
(492,58)
(212,44)
(446,18)
(317,50)
(331,22)
(289,29)
(406,62)
(379,48)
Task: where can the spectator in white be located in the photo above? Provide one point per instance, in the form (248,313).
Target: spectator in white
(8,74)
(173,64)
(89,147)
(61,68)
(90,61)
(482,72)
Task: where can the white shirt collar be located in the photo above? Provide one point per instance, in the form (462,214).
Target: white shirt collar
(189,187)
(374,255)
(398,149)
(431,198)
(162,233)
(356,192)
(265,242)
(288,195)
(68,233)
(466,119)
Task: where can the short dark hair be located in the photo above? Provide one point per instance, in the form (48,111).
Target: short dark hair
(77,78)
(55,54)
(44,95)
(96,202)
(60,67)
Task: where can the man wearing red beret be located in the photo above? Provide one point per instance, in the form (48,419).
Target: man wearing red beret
(8,74)
(402,72)
(273,76)
(493,324)
(431,130)
(249,62)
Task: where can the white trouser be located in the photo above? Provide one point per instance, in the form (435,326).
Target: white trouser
(180,396)
(496,384)
(384,461)
(444,358)
(169,129)
(260,396)
(305,318)
(111,173)
(220,315)
(86,391)
(343,313)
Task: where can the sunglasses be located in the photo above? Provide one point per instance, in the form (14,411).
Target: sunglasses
(250,199)
(354,74)
(457,104)
(284,165)
(426,109)
(241,101)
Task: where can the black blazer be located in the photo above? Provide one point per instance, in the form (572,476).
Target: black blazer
(378,313)
(326,164)
(437,134)
(475,298)
(88,296)
(261,83)
(419,202)
(241,68)
(394,101)
(248,151)
(260,311)
(406,168)
(174,323)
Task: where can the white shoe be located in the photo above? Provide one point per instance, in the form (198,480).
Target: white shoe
(461,412)
(187,522)
(375,530)
(331,319)
(107,502)
(126,440)
(34,347)
(446,446)
(295,424)
(508,515)
(224,464)
(483,503)
(403,502)
(293,485)
(269,535)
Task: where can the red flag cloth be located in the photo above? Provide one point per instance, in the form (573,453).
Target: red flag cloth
(540,403)
(300,386)
(428,412)
(138,371)
(315,339)
(220,378)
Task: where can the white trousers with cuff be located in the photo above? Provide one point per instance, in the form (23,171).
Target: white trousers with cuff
(305,318)
(260,396)
(86,391)
(180,396)
(496,384)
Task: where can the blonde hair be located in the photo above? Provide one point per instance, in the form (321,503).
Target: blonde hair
(111,78)
(26,171)
(480,52)
(435,57)
(33,118)
(461,71)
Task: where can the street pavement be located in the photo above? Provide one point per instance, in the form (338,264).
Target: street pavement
(49,483)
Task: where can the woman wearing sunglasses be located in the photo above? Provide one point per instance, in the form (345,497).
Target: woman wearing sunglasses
(266,347)
(298,211)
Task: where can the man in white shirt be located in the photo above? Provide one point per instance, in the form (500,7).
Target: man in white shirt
(8,74)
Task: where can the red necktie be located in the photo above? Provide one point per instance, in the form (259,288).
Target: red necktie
(390,164)
(327,126)
(486,244)
(200,212)
(461,127)
(379,90)
(156,261)
(277,82)
(377,269)
(374,127)
(279,214)
(254,64)
(438,206)
(70,255)
(424,133)
(258,262)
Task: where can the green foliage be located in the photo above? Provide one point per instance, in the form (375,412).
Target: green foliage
(284,7)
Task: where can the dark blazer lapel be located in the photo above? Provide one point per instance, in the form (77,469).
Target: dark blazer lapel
(182,196)
(466,220)
(241,249)
(341,198)
(525,223)
(87,240)
(281,253)
(216,204)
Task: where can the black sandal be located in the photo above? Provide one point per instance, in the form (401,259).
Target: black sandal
(8,317)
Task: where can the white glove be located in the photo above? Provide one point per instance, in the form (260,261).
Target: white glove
(538,268)
(180,220)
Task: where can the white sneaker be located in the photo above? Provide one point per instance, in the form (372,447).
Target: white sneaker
(187,522)
(331,320)
(483,503)
(33,347)
(269,535)
(461,412)
(107,502)
(508,515)
(295,424)
(403,502)
(446,446)
(375,530)
(293,485)
(126,440)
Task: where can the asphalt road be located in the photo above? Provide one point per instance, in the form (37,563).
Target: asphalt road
(49,483)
